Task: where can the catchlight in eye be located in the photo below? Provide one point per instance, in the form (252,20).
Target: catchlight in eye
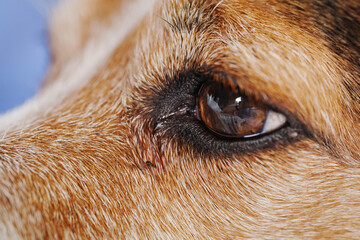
(229,113)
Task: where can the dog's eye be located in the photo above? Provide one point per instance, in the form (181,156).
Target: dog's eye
(229,113)
(213,116)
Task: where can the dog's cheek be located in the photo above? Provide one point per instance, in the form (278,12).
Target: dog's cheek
(288,189)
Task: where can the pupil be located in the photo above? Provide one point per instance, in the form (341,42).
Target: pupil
(227,112)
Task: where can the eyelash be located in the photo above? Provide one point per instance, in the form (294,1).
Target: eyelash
(174,116)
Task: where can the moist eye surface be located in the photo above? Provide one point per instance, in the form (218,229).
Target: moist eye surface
(229,113)
(216,118)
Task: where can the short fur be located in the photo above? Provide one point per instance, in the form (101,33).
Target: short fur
(88,159)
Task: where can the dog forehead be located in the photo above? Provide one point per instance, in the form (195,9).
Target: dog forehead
(315,35)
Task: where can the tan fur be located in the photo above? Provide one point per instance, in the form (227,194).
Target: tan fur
(91,166)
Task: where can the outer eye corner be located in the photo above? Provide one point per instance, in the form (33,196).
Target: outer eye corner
(229,113)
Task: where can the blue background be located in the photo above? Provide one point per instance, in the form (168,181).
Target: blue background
(24,53)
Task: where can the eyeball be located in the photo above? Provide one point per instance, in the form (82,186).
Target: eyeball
(227,112)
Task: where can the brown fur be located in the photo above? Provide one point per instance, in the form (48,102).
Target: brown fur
(93,166)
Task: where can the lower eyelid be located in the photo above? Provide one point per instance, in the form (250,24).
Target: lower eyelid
(189,131)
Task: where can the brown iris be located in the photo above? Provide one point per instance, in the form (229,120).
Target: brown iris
(228,112)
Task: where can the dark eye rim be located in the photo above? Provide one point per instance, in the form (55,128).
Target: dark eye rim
(203,142)
(173,107)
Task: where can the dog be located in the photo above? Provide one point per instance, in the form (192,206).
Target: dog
(189,119)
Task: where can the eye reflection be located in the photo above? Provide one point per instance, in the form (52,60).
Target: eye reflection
(228,112)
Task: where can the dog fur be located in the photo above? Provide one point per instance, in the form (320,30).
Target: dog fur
(90,157)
